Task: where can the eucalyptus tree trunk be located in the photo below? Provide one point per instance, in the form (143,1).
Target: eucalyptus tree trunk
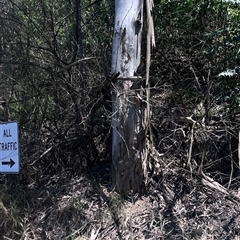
(130,118)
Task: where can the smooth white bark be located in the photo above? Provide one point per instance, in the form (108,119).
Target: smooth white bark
(127,37)
(127,123)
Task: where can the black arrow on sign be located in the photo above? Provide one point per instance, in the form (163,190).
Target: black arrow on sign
(10,163)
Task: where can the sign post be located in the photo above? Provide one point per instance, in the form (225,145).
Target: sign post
(9,148)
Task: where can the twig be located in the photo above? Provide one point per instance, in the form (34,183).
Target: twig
(94,234)
(231,156)
(190,147)
(76,63)
(186,119)
(239,159)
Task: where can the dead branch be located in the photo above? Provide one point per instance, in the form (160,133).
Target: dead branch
(76,63)
(211,183)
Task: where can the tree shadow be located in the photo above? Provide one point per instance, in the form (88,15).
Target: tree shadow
(172,193)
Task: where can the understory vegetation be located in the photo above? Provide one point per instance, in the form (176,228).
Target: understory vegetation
(55,59)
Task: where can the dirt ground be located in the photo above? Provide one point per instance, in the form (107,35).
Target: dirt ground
(66,206)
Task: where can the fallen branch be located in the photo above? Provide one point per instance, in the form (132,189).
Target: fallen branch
(211,183)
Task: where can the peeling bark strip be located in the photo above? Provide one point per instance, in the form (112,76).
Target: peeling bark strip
(129,138)
(150,41)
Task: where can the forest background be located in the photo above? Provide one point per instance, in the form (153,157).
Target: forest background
(55,59)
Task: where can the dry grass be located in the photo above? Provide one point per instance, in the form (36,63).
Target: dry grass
(79,207)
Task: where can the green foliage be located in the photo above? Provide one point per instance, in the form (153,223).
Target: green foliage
(227,96)
(195,76)
(209,29)
(187,14)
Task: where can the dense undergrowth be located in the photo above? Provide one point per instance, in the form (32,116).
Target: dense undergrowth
(64,114)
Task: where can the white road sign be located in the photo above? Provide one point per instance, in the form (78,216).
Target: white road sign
(9,148)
